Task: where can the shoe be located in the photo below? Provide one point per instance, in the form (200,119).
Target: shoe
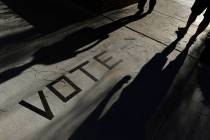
(181,32)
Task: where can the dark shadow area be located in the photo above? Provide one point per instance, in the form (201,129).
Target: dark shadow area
(49,15)
(204,73)
(203,81)
(58,52)
(142,3)
(101,6)
(17,37)
(205,56)
(128,116)
(70,46)
(92,119)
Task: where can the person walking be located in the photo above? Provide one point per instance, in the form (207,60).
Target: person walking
(198,7)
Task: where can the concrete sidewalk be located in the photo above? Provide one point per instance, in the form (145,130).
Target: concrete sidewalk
(60,78)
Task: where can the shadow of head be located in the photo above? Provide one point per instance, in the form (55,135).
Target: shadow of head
(78,42)
(69,47)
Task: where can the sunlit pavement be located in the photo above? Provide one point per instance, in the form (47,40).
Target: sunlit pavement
(61,77)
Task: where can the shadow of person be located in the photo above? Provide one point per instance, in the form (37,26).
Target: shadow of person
(205,56)
(113,26)
(65,49)
(49,15)
(204,73)
(92,119)
(128,116)
(203,81)
(69,47)
(197,9)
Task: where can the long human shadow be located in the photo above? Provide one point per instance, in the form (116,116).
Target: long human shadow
(20,36)
(203,82)
(204,74)
(69,47)
(205,56)
(90,122)
(49,15)
(128,117)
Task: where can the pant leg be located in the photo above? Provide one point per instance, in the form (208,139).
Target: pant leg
(152,4)
(141,4)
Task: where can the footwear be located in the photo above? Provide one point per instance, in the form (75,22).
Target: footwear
(181,32)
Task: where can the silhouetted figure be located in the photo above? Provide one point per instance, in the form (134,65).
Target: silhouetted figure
(142,3)
(128,117)
(198,7)
(68,47)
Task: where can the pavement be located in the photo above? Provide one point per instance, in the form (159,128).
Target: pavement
(52,84)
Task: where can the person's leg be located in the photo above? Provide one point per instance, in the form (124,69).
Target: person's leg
(152,4)
(191,19)
(198,7)
(141,5)
(202,26)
